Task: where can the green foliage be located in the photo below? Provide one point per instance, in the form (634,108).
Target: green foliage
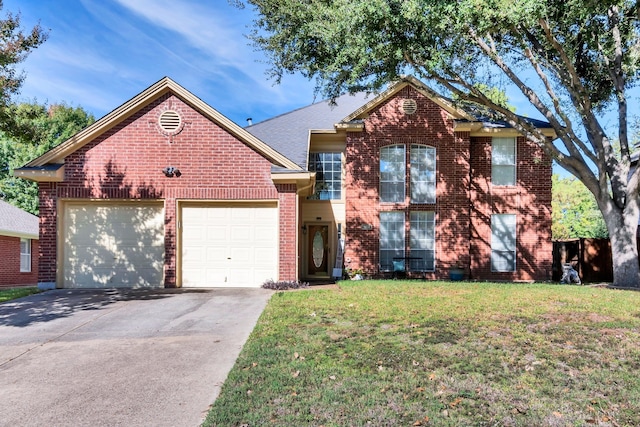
(574,211)
(15,293)
(15,46)
(38,129)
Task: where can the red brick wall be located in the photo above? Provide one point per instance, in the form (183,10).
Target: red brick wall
(288,232)
(389,125)
(10,274)
(463,205)
(127,161)
(529,200)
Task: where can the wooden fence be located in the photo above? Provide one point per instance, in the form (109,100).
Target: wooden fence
(591,258)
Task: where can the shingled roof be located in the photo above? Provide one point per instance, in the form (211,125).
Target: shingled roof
(17,223)
(288,133)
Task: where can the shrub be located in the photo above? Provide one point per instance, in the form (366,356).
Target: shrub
(283,285)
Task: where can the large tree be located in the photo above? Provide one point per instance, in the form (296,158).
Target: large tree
(574,61)
(15,46)
(38,129)
(575,212)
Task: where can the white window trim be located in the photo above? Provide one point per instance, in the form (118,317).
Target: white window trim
(25,257)
(404,174)
(402,245)
(341,176)
(514,164)
(514,251)
(434,239)
(429,148)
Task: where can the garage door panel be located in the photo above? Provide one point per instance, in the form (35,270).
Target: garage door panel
(240,234)
(113,245)
(240,248)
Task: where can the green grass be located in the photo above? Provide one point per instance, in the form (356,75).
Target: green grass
(13,293)
(396,353)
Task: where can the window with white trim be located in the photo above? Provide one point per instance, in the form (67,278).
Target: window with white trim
(328,169)
(392,174)
(25,255)
(422,241)
(391,238)
(503,161)
(503,242)
(423,174)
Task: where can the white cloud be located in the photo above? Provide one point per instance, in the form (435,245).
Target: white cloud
(210,30)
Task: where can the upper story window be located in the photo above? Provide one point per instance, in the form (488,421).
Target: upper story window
(328,169)
(392,173)
(423,174)
(503,161)
(25,255)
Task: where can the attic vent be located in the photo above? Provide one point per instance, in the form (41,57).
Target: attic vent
(409,106)
(170,121)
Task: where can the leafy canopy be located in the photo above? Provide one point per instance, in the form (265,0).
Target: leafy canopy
(41,128)
(574,212)
(581,57)
(15,46)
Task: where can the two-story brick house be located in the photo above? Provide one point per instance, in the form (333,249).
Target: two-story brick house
(166,191)
(406,176)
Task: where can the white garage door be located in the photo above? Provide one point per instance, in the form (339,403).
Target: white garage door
(108,245)
(234,246)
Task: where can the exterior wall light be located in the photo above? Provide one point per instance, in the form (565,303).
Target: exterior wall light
(171,171)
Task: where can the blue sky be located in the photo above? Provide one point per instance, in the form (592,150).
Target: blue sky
(101,53)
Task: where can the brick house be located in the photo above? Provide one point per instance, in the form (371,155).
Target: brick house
(18,241)
(166,191)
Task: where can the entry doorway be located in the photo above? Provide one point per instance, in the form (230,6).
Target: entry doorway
(318,250)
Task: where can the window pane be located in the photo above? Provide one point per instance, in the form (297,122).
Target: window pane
(391,238)
(423,174)
(503,161)
(422,241)
(392,173)
(328,169)
(503,242)
(503,175)
(25,255)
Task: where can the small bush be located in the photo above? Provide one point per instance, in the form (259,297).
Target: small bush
(283,285)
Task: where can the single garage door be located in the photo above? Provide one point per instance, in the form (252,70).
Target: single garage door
(229,245)
(113,245)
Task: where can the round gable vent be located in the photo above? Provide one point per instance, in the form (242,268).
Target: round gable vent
(170,122)
(409,106)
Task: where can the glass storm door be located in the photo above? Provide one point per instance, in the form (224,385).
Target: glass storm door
(318,249)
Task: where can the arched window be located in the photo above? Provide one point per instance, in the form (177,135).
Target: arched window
(392,174)
(423,174)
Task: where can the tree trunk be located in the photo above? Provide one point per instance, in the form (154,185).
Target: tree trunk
(624,248)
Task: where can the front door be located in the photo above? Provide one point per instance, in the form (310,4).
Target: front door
(318,250)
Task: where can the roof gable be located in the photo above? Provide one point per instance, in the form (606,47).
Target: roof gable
(393,89)
(164,86)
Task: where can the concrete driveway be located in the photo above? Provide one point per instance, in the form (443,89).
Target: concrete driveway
(120,357)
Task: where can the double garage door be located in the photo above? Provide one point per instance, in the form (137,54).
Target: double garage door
(122,245)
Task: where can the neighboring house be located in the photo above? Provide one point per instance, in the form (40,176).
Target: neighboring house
(18,246)
(166,191)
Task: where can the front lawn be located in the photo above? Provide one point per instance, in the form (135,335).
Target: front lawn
(13,293)
(405,353)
